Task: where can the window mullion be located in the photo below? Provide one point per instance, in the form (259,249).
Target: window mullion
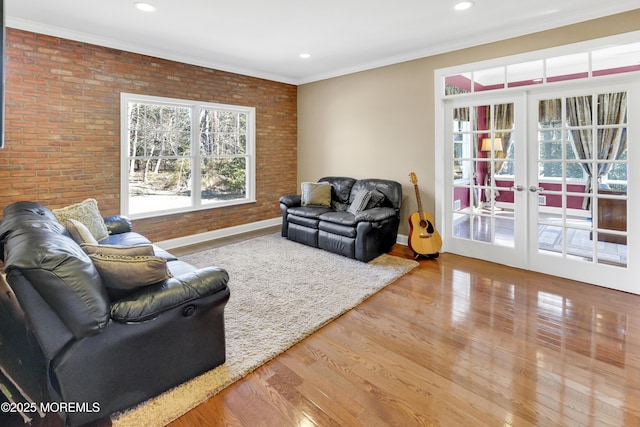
(196,162)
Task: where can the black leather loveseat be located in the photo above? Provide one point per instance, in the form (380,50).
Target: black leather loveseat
(355,218)
(68,338)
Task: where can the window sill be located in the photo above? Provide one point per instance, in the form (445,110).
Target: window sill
(169,212)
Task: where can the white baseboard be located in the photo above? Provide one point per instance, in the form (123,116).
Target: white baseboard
(232,231)
(218,234)
(402,239)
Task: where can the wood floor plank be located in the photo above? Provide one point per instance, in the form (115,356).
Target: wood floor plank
(407,380)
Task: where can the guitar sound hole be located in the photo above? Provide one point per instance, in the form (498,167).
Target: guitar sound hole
(427,224)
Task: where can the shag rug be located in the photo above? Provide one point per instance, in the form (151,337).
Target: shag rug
(281,292)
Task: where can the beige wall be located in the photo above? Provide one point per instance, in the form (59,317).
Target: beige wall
(380,123)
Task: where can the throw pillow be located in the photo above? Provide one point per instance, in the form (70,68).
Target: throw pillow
(124,274)
(360,201)
(79,232)
(87,213)
(138,250)
(376,200)
(316,194)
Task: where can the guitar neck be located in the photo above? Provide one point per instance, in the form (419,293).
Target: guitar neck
(420,211)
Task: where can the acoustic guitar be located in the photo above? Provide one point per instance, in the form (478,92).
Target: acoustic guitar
(423,236)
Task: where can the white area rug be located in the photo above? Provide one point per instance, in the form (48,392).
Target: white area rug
(281,292)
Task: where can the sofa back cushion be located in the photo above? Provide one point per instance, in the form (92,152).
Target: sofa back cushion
(26,215)
(392,191)
(340,190)
(60,271)
(63,275)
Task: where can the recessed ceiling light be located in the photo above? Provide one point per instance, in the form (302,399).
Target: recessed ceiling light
(145,7)
(463,5)
(305,55)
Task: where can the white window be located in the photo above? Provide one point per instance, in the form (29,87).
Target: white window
(180,156)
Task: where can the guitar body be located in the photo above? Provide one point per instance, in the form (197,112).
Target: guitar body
(423,236)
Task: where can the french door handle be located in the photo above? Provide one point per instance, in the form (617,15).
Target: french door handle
(535,189)
(518,187)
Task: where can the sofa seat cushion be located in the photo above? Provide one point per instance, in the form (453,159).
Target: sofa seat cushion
(305,222)
(178,268)
(147,303)
(341,218)
(337,229)
(313,212)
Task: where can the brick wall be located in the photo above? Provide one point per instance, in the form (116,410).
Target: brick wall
(63,127)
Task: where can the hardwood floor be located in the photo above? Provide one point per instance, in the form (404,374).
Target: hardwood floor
(456,342)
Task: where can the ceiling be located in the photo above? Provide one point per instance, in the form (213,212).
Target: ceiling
(264,38)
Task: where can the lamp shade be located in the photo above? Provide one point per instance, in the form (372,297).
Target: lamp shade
(486,144)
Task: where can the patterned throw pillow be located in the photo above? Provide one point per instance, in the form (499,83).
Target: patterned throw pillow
(359,201)
(87,213)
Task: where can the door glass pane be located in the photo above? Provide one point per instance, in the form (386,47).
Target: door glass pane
(578,110)
(550,113)
(505,230)
(550,169)
(483,144)
(579,244)
(612,108)
(479,117)
(482,228)
(462,226)
(550,238)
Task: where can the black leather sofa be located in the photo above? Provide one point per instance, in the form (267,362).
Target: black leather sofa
(64,339)
(361,234)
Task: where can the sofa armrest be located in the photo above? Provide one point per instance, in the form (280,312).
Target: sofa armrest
(151,301)
(118,224)
(291,200)
(376,214)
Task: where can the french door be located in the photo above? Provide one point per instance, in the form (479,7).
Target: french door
(486,213)
(544,180)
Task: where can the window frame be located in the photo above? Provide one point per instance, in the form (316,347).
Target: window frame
(195,156)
